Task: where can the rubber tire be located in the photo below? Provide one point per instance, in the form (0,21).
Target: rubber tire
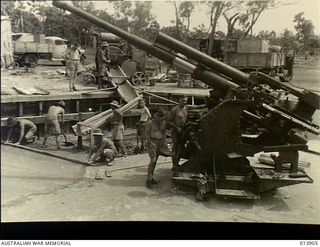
(32,58)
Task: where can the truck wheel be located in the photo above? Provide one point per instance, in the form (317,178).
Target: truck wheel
(31,59)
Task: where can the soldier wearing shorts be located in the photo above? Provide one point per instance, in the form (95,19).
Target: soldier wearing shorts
(177,120)
(25,129)
(118,129)
(102,149)
(155,136)
(52,123)
(144,118)
(102,60)
(73,55)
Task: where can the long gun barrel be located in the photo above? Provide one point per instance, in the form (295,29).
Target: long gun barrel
(202,58)
(308,101)
(199,73)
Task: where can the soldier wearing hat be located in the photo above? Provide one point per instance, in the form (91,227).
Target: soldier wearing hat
(102,60)
(26,129)
(52,121)
(102,149)
(117,128)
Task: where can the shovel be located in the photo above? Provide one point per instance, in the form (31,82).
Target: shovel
(66,142)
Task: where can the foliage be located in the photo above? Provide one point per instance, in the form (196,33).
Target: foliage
(305,30)
(135,18)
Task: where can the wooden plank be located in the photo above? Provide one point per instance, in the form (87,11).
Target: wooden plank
(53,97)
(44,152)
(71,117)
(85,127)
(40,119)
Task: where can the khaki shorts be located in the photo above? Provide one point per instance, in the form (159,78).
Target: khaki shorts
(30,133)
(142,128)
(52,126)
(102,69)
(109,154)
(153,151)
(73,65)
(117,132)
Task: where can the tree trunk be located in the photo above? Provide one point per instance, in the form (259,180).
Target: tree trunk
(218,11)
(177,21)
(254,20)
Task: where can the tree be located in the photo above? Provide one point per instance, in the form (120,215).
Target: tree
(7,7)
(253,10)
(314,43)
(216,9)
(269,36)
(305,30)
(288,41)
(136,18)
(186,9)
(178,22)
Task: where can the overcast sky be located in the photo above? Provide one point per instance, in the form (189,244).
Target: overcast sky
(274,19)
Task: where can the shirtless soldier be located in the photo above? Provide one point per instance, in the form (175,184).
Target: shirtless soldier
(155,136)
(51,122)
(27,129)
(177,120)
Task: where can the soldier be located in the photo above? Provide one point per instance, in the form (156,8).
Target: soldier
(102,148)
(27,130)
(66,58)
(144,118)
(155,136)
(51,122)
(117,128)
(102,59)
(74,55)
(177,120)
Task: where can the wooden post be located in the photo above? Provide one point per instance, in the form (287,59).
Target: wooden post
(40,108)
(80,142)
(77,106)
(20,109)
(80,146)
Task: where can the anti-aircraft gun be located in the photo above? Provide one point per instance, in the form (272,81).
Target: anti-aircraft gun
(218,145)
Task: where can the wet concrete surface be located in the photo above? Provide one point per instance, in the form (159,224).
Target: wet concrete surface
(41,188)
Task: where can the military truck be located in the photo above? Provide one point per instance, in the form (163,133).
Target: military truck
(29,48)
(250,55)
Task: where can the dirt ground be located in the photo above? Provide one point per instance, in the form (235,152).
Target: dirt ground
(55,190)
(40,188)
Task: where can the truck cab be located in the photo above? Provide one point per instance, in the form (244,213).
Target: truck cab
(59,46)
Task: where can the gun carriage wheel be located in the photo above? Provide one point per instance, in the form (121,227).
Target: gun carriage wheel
(139,78)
